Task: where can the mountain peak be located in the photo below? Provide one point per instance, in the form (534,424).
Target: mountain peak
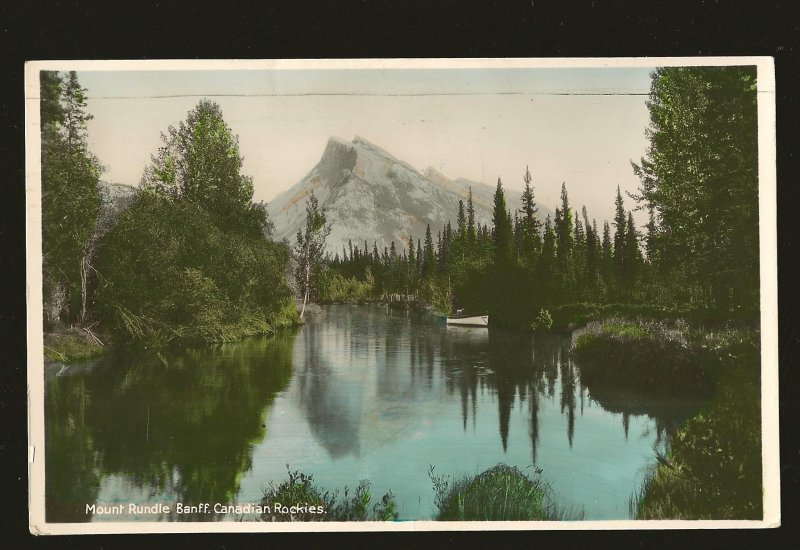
(360,141)
(368,193)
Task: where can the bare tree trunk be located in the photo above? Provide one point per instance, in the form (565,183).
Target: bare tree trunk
(84,275)
(306,289)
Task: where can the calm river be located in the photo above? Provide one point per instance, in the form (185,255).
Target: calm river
(362,392)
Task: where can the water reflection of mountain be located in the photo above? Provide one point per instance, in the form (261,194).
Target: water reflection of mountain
(367,376)
(179,425)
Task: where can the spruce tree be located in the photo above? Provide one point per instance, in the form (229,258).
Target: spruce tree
(429,260)
(620,222)
(461,220)
(471,230)
(503,232)
(633,254)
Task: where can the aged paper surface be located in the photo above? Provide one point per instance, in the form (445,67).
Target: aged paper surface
(193,367)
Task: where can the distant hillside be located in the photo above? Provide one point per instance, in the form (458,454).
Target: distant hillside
(371,195)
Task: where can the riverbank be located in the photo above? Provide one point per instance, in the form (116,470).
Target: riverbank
(73,344)
(713,467)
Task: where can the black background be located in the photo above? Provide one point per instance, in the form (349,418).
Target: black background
(339,29)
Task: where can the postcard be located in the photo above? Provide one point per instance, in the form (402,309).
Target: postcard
(401,294)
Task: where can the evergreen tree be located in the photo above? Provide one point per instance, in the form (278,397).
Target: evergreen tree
(546,267)
(471,230)
(633,254)
(564,231)
(412,264)
(429,260)
(461,220)
(74,113)
(503,231)
(607,256)
(650,238)
(620,222)
(530,240)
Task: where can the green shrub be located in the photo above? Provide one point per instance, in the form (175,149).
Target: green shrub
(333,287)
(498,494)
(543,321)
(167,272)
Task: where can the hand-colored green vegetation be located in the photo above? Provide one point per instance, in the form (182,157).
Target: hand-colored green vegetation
(501,493)
(300,489)
(190,259)
(543,321)
(654,357)
(333,287)
(68,347)
(713,469)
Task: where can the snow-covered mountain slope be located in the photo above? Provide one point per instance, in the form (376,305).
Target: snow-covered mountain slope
(368,194)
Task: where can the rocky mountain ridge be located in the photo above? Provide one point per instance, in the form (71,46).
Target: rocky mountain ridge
(371,195)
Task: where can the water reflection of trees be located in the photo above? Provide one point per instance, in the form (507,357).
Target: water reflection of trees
(365,376)
(181,423)
(520,369)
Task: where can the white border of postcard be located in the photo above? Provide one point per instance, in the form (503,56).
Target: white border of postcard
(768,274)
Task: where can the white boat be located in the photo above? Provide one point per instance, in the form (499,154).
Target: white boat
(468,320)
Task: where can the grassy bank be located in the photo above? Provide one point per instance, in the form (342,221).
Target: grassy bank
(70,345)
(568,317)
(655,357)
(713,469)
(501,493)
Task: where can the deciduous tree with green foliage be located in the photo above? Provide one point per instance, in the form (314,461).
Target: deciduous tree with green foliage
(189,259)
(310,249)
(700,178)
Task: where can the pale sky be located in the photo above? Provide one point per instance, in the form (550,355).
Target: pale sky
(582,126)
